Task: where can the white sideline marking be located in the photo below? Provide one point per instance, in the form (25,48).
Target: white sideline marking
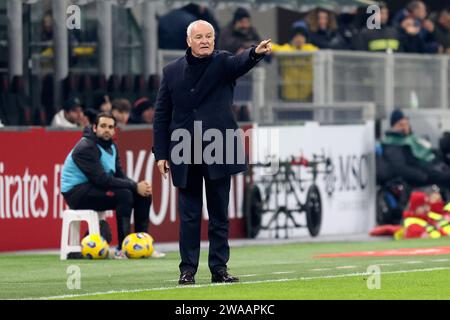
(321,269)
(412,262)
(346,267)
(282,272)
(440,260)
(241,283)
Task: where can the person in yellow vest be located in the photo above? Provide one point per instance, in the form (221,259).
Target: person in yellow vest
(420,221)
(296,71)
(416,223)
(439,213)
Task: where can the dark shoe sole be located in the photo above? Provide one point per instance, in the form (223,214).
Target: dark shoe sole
(220,281)
(74,256)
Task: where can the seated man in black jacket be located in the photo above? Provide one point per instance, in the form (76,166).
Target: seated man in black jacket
(412,158)
(92,178)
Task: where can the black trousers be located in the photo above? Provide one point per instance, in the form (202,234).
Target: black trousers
(123,201)
(190,210)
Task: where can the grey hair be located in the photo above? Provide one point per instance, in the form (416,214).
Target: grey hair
(192,24)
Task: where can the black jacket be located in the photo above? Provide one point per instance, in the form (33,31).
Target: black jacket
(405,164)
(86,156)
(193,90)
(377,39)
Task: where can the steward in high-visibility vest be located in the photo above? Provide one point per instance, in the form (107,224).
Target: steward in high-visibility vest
(421,220)
(416,223)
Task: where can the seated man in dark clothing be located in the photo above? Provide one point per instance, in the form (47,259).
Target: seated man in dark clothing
(412,158)
(92,178)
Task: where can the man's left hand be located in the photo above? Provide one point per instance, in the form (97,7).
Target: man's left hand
(264,47)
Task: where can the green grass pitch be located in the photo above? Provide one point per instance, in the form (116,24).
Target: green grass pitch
(283,271)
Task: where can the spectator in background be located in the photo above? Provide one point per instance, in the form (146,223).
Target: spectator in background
(411,157)
(417,12)
(384,39)
(172,26)
(46,31)
(298,42)
(410,38)
(296,71)
(323,28)
(349,25)
(89,116)
(70,116)
(143,112)
(442,30)
(121,109)
(103,103)
(239,34)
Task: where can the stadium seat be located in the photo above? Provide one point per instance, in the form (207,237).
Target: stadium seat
(70,234)
(99,82)
(114,86)
(70,86)
(140,86)
(47,96)
(126,88)
(86,90)
(153,85)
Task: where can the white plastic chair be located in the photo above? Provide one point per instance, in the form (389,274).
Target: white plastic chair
(70,235)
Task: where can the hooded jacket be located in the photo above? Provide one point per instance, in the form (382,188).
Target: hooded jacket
(92,163)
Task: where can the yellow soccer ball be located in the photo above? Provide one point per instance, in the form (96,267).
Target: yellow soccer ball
(94,246)
(138,245)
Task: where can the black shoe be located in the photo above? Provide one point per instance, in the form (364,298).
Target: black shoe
(222,276)
(74,255)
(186,277)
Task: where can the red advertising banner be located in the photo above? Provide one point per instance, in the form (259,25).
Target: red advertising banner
(31,204)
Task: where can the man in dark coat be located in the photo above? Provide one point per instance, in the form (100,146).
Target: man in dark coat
(199,87)
(412,158)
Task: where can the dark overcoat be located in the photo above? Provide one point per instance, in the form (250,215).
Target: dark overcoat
(209,100)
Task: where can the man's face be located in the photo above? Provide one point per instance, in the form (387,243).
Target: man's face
(74,115)
(444,20)
(243,25)
(201,40)
(105,129)
(121,117)
(384,15)
(403,126)
(298,40)
(323,20)
(420,12)
(148,115)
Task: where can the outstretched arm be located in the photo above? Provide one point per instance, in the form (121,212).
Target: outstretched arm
(240,64)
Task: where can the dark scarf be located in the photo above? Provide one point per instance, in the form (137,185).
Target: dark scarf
(196,67)
(89,133)
(105,144)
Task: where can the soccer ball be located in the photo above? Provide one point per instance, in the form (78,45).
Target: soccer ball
(94,246)
(138,245)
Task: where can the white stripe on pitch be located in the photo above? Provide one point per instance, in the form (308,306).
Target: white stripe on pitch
(241,283)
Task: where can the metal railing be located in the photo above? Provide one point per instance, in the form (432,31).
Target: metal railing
(298,81)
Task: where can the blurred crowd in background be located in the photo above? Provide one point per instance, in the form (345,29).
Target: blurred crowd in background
(131,98)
